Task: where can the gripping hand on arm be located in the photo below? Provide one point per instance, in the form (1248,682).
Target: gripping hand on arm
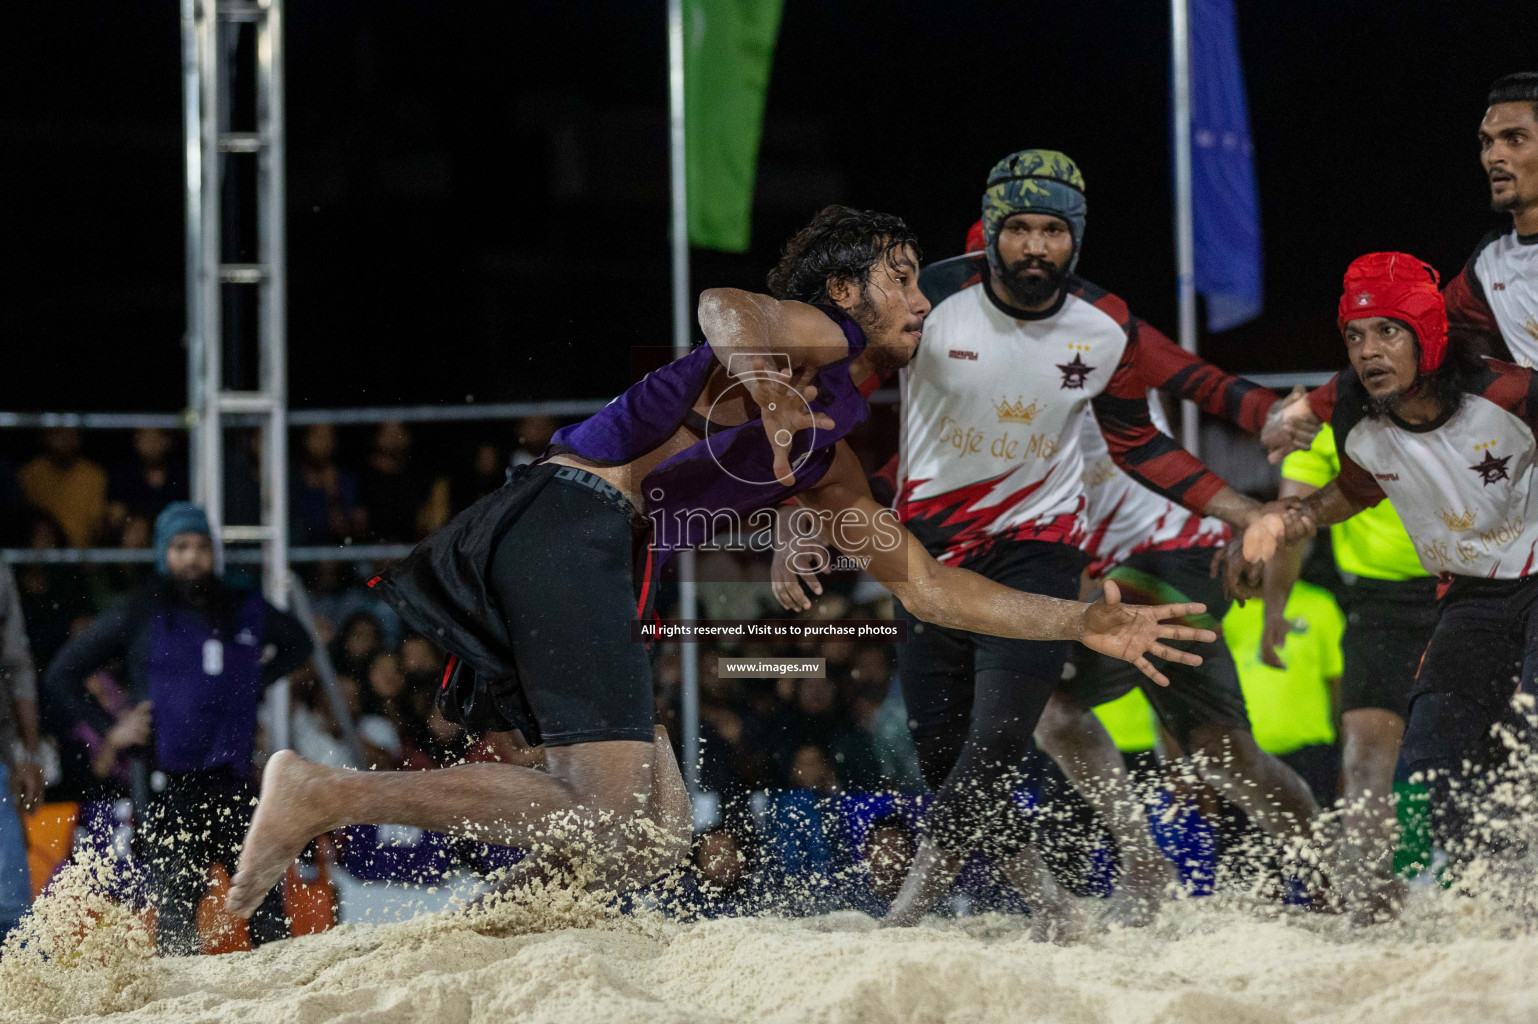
(799,557)
(1290,426)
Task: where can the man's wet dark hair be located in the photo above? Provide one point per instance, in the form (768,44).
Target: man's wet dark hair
(1521,87)
(840,242)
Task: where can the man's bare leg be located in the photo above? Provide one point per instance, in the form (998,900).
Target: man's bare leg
(1274,796)
(1079,743)
(669,826)
(1055,914)
(929,876)
(1369,826)
(591,786)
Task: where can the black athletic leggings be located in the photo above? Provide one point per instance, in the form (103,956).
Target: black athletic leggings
(973,703)
(1484,649)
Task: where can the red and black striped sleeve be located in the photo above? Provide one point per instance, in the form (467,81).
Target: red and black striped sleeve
(1468,309)
(1512,387)
(1171,369)
(1356,483)
(1322,399)
(1341,403)
(1150,457)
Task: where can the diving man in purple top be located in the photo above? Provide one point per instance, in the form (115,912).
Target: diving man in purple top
(534,589)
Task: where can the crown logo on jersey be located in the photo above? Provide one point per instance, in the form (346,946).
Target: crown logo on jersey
(1456,522)
(1016,412)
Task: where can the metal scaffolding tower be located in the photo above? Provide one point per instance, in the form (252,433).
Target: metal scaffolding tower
(232,91)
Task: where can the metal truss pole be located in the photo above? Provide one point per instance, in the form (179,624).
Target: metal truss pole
(213,34)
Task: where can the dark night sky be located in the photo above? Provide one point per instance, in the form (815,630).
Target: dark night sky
(477,191)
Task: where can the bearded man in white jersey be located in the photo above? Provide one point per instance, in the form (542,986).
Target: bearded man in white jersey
(1492,307)
(1014,352)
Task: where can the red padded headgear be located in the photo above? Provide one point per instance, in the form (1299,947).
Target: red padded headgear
(976,240)
(1397,285)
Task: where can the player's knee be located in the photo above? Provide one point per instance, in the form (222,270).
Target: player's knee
(1368,755)
(1226,749)
(1061,730)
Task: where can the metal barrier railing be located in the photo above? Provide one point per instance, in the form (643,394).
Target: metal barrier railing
(450,413)
(235,555)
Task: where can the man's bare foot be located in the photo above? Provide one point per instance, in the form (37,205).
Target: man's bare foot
(929,877)
(1055,914)
(1144,884)
(1380,903)
(286,820)
(1060,920)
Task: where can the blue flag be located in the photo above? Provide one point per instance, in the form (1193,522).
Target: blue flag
(1226,207)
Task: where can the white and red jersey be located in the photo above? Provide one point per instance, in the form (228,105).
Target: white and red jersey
(1123,517)
(1464,485)
(1496,293)
(993,404)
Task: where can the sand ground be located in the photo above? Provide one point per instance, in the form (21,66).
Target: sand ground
(563,959)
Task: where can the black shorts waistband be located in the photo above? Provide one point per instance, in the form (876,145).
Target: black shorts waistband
(1417,589)
(599,488)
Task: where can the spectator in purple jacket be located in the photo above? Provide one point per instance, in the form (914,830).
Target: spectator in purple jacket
(201,654)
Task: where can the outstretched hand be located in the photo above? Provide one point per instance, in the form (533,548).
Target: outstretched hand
(1290,426)
(785,411)
(1133,632)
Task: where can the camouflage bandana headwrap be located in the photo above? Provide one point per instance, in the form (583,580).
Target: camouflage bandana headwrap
(1033,181)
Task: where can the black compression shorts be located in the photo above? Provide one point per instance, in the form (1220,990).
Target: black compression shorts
(945,673)
(1484,649)
(568,577)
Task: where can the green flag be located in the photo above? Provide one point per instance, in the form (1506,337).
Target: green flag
(728,48)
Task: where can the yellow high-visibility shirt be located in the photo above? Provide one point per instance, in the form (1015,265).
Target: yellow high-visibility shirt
(1290,709)
(1130,721)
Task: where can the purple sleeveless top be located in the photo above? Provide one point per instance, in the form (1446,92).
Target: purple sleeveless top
(731,470)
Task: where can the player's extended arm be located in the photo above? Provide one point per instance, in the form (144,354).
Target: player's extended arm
(1153,459)
(772,347)
(948,596)
(1284,425)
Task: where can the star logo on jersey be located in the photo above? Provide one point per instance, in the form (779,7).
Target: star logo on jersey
(1075,373)
(1491,469)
